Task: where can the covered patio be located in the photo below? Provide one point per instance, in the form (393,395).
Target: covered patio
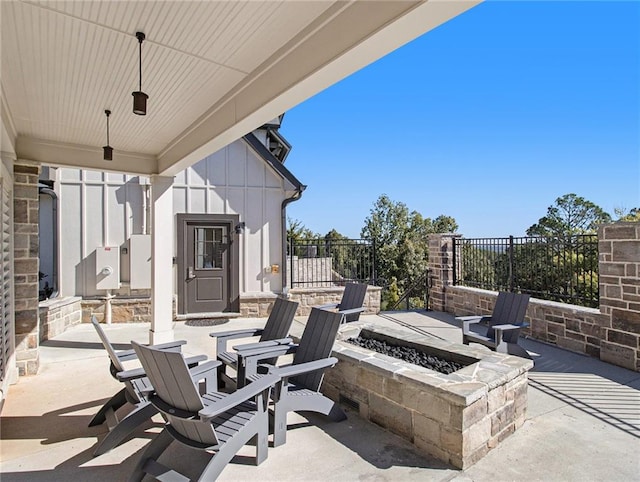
(212,71)
(582,423)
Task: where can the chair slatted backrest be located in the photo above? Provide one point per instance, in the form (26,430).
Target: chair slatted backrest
(510,308)
(316,343)
(280,320)
(173,385)
(115,361)
(353,297)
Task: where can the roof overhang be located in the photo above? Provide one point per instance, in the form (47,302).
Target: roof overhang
(63,63)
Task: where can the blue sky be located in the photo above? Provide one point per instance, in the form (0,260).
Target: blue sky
(488,118)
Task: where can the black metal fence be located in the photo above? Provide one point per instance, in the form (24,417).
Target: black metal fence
(330,262)
(561,269)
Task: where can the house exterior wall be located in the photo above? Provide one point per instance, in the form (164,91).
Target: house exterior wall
(105,209)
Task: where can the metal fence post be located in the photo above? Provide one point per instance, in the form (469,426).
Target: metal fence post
(511,263)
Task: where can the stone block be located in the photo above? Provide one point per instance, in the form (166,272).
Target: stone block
(577,346)
(451,441)
(502,417)
(25,191)
(425,429)
(370,380)
(622,338)
(476,436)
(611,291)
(399,392)
(391,416)
(626,251)
(496,398)
(432,449)
(26,169)
(433,406)
(555,328)
(618,355)
(625,320)
(474,413)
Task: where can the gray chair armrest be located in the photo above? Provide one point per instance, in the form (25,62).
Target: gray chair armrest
(508,327)
(263,344)
(169,345)
(473,318)
(351,311)
(126,355)
(204,368)
(258,385)
(135,373)
(229,335)
(269,351)
(224,336)
(293,370)
(328,306)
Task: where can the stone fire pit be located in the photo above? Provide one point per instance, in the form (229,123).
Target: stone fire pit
(456,418)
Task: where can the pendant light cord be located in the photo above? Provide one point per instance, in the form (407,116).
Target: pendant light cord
(107,112)
(140,57)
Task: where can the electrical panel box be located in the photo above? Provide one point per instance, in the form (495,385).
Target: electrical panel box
(140,261)
(108,268)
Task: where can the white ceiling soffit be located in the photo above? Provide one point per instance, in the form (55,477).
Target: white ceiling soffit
(213,70)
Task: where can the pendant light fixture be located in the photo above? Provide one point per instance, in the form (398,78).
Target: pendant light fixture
(139,97)
(108,150)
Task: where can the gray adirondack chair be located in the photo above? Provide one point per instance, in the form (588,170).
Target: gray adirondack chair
(215,422)
(135,384)
(502,327)
(276,328)
(299,385)
(351,303)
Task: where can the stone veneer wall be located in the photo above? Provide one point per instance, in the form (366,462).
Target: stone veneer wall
(310,297)
(58,314)
(123,310)
(575,328)
(611,333)
(619,248)
(127,310)
(26,265)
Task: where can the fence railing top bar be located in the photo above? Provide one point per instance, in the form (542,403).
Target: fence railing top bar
(524,238)
(336,241)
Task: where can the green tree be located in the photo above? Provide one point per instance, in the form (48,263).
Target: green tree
(400,237)
(569,215)
(632,216)
(296,230)
(566,262)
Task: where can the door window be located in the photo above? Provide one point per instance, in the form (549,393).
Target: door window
(210,243)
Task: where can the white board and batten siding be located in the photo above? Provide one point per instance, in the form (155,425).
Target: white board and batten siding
(106,209)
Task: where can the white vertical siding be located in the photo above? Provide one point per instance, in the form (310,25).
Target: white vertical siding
(99,209)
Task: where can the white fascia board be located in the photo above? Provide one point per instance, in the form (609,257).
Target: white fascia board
(83,157)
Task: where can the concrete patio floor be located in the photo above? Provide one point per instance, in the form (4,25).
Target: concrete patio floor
(583,421)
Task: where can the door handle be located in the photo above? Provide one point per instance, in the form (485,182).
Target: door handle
(190,273)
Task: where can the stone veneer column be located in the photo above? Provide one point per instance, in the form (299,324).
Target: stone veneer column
(441,268)
(26,265)
(619,280)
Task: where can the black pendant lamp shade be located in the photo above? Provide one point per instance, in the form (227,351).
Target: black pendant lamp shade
(139,97)
(108,150)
